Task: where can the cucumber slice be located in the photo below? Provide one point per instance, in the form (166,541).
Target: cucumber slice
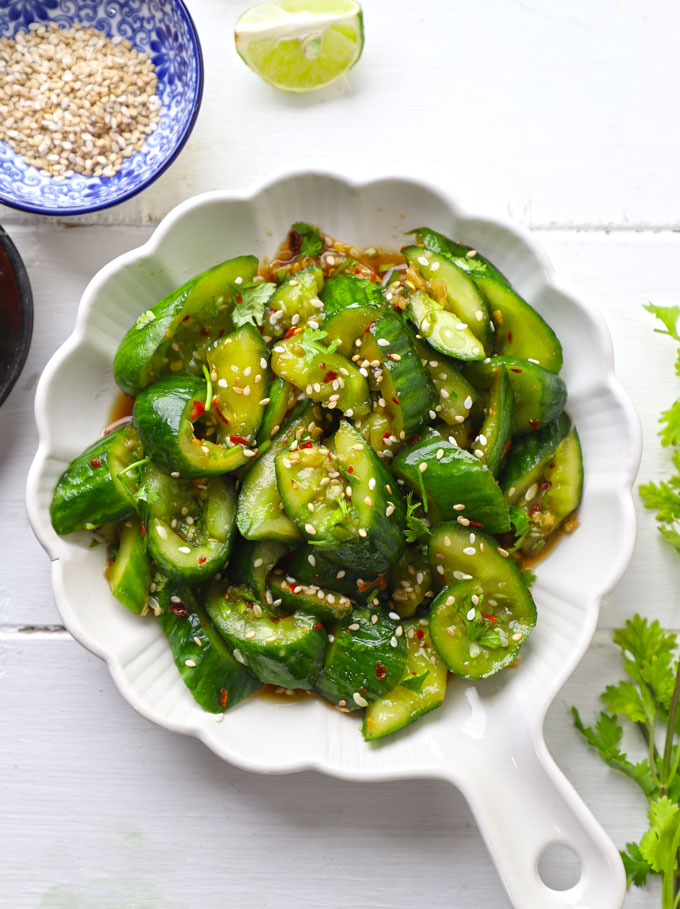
(260,514)
(308,565)
(354,519)
(297,296)
(556,496)
(463,298)
(364,661)
(348,326)
(252,561)
(177,432)
(190,524)
(529,456)
(129,573)
(343,291)
(282,397)
(404,705)
(278,651)
(174,335)
(94,490)
(214,678)
(239,371)
(540,395)
(493,440)
(456,483)
(291,596)
(442,329)
(494,612)
(410,580)
(323,375)
(396,374)
(456,395)
(520,331)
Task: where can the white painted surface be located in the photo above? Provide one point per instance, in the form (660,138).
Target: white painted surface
(557,114)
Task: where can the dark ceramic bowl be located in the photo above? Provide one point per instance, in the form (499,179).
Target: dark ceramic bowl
(16,314)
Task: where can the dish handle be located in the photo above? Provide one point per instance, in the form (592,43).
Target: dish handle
(524,805)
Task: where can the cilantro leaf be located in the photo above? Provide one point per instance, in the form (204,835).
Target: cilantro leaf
(625,699)
(668,315)
(415,683)
(636,865)
(642,640)
(416,530)
(310,341)
(145,319)
(254,298)
(528,576)
(670,420)
(656,845)
(312,244)
(519,521)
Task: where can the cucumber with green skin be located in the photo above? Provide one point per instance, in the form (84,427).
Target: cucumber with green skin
(519,330)
(164,416)
(556,496)
(493,439)
(364,661)
(463,298)
(298,295)
(403,705)
(442,329)
(189,318)
(343,291)
(496,589)
(190,525)
(293,596)
(282,397)
(278,651)
(252,561)
(540,395)
(410,580)
(94,490)
(129,573)
(528,457)
(456,395)
(347,326)
(214,678)
(362,528)
(455,478)
(310,566)
(406,393)
(260,514)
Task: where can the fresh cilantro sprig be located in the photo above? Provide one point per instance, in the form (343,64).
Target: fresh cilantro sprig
(664,497)
(254,298)
(312,244)
(416,530)
(310,341)
(647,699)
(415,682)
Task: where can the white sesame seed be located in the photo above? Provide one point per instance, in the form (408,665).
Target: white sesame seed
(434,266)
(467,403)
(503,552)
(440,454)
(354,626)
(359,699)
(258,562)
(394,642)
(383,342)
(175,474)
(362,532)
(185,549)
(517,636)
(311,560)
(190,663)
(340,574)
(310,529)
(422,467)
(389,510)
(374,619)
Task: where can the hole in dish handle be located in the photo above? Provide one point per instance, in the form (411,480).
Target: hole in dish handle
(524,806)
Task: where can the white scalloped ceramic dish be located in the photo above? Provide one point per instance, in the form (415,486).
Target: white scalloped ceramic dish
(487,739)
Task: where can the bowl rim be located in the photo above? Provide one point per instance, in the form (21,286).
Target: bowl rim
(196,106)
(25,307)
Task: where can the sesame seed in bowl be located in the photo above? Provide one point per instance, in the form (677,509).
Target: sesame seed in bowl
(98,99)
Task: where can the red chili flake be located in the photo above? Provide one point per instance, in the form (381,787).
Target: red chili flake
(396,307)
(535,509)
(330,376)
(221,415)
(386,435)
(95,462)
(201,560)
(177,608)
(142,529)
(420,634)
(291,332)
(239,298)
(489,618)
(350,469)
(368,327)
(221,333)
(412,441)
(380,670)
(505,449)
(510,337)
(516,370)
(357,271)
(274,618)
(475,524)
(306,445)
(224,694)
(198,410)
(534,424)
(238,440)
(294,588)
(362,689)
(545,485)
(317,627)
(205,332)
(395,401)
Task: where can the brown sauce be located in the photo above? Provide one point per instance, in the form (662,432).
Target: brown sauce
(121,407)
(278,695)
(569,526)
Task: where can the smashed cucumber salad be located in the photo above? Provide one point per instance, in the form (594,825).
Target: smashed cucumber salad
(336,470)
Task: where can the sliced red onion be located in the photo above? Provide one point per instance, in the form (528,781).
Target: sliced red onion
(115,425)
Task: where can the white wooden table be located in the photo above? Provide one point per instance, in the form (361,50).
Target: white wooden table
(560,115)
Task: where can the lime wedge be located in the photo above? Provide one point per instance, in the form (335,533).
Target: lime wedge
(300,45)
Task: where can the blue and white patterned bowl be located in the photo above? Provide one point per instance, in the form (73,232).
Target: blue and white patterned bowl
(165,30)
